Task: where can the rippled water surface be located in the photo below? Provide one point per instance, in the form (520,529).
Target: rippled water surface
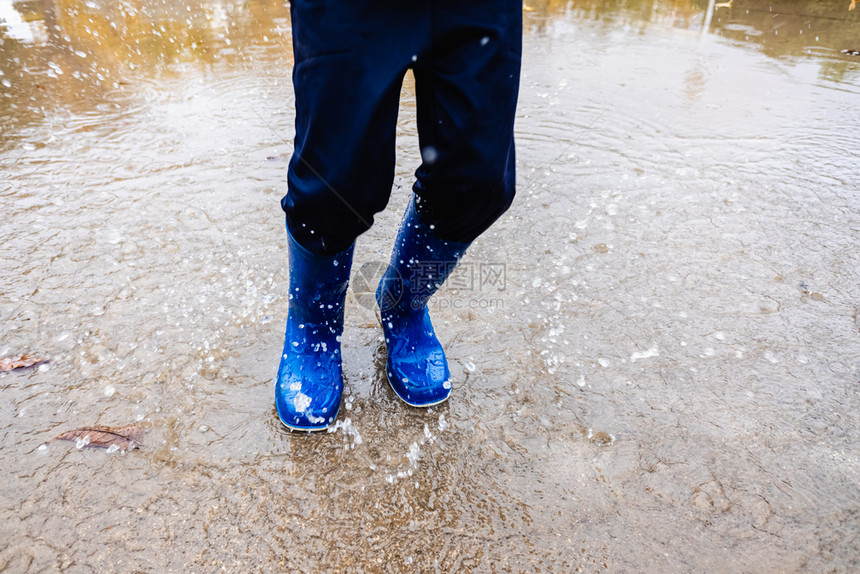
(656,351)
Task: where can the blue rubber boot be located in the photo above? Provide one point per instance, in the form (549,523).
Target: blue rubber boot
(310,376)
(417,368)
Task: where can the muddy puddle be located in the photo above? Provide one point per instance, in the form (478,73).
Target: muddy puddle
(656,351)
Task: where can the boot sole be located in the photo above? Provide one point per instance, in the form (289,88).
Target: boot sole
(421,406)
(307,429)
(303,429)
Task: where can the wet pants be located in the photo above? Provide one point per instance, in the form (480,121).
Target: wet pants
(350,60)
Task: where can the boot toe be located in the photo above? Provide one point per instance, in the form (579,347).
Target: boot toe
(421,387)
(436,371)
(305,403)
(301,411)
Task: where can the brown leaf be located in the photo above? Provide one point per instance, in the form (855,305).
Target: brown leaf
(10,364)
(124,438)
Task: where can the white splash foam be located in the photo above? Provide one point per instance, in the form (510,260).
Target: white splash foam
(653,351)
(302,402)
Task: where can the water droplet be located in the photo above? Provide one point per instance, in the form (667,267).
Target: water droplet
(429,155)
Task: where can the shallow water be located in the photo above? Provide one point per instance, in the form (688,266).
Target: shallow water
(656,351)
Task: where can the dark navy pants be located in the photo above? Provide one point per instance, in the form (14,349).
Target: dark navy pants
(350,59)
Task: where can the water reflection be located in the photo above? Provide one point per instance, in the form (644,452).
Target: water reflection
(815,30)
(75,54)
(81,55)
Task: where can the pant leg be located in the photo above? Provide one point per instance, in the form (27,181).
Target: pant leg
(466,91)
(350,58)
